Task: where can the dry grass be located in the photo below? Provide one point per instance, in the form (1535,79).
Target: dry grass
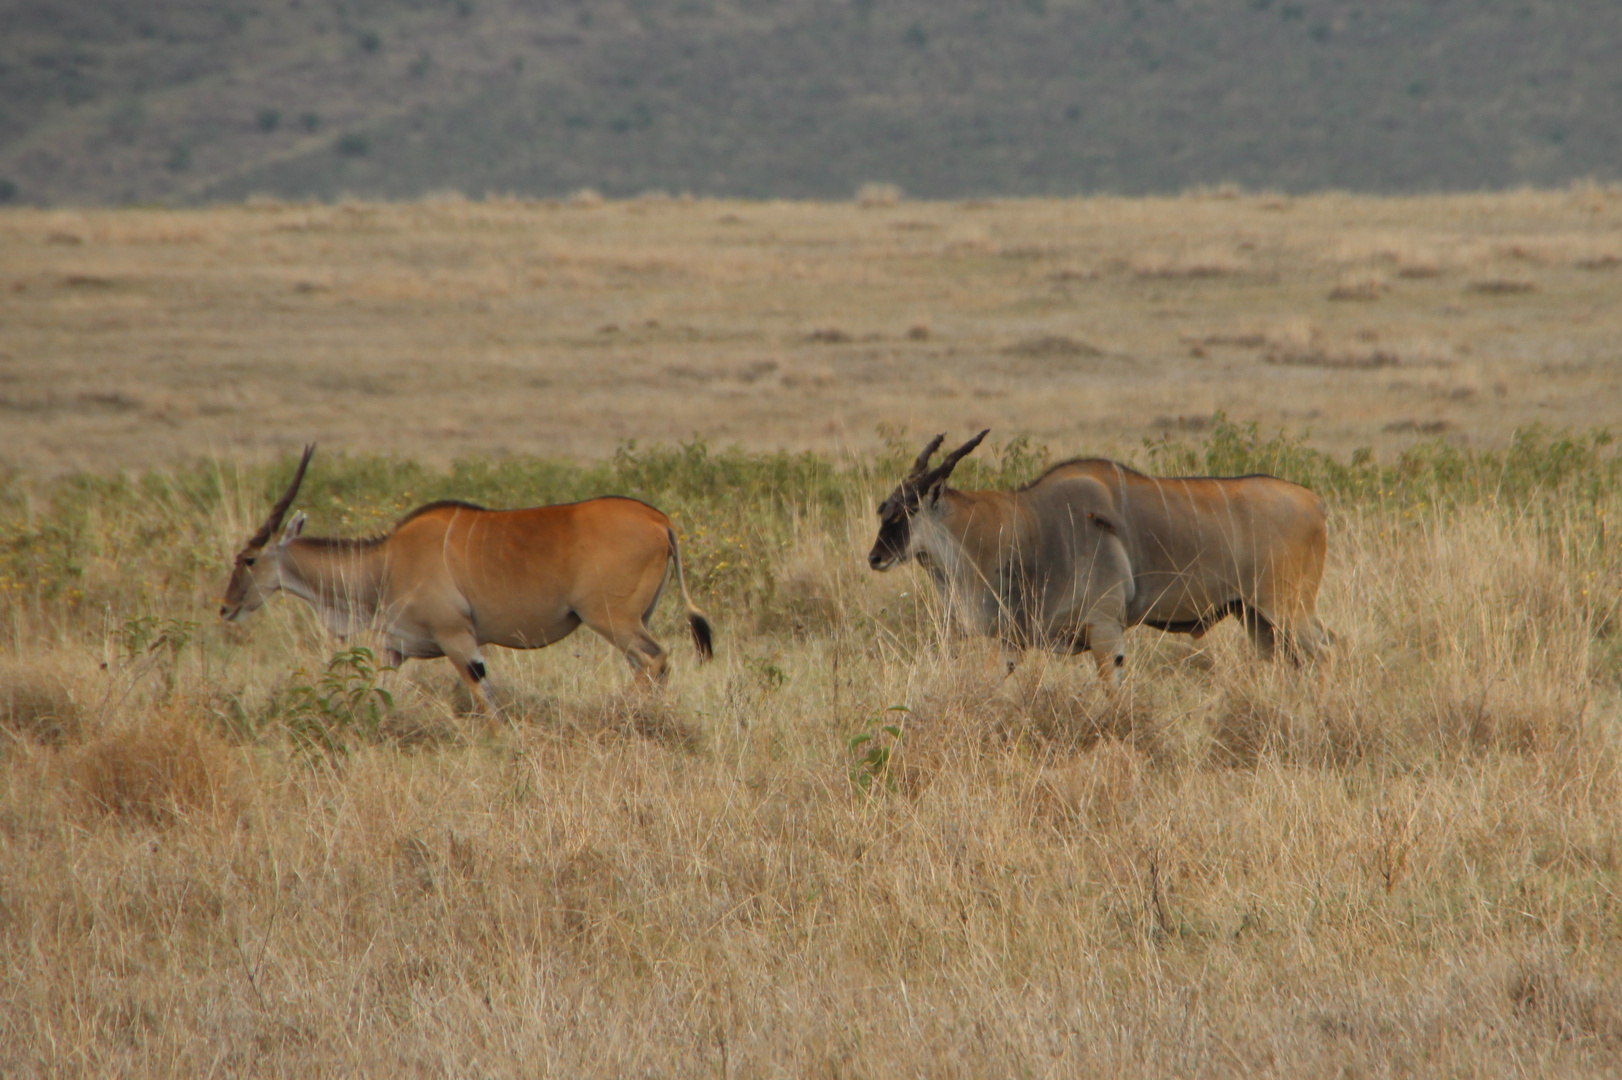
(1398,861)
(1207,263)
(160,770)
(1365,288)
(454,326)
(1402,860)
(37,705)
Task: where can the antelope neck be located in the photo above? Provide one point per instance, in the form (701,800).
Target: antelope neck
(340,581)
(954,530)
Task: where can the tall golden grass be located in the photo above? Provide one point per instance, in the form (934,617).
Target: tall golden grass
(1400,861)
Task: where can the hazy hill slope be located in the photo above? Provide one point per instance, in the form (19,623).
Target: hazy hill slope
(184,99)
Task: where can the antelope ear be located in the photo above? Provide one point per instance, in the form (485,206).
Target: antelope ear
(935,490)
(293,529)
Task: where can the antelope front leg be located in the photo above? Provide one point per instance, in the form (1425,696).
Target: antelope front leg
(391,657)
(1009,655)
(1109,651)
(462,650)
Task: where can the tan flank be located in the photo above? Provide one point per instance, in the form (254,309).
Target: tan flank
(451,577)
(1092,547)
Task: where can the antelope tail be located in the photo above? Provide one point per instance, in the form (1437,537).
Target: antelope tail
(696,619)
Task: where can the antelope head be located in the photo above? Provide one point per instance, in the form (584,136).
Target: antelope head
(922,486)
(257,572)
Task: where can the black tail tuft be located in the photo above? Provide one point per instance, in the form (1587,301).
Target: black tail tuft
(701,636)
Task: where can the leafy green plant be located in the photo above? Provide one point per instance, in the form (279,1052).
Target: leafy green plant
(767,672)
(345,702)
(872,750)
(1019,461)
(147,642)
(146,635)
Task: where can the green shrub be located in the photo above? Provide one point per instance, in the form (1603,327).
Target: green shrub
(344,703)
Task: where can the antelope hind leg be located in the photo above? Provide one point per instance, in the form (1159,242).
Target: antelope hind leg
(1262,633)
(647,657)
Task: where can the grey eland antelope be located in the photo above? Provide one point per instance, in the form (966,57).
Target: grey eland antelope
(1091,547)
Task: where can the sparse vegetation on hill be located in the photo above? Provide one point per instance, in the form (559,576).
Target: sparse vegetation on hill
(104,102)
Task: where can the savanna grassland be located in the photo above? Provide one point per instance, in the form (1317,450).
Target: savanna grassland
(849,846)
(440,329)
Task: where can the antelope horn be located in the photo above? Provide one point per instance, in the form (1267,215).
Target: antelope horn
(279,511)
(944,469)
(922,463)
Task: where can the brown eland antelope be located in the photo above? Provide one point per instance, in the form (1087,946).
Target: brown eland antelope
(451,576)
(1091,547)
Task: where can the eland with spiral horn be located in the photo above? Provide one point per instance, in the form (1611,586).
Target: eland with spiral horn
(451,577)
(1091,548)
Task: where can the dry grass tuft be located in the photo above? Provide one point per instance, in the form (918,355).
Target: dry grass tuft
(1203,263)
(1031,712)
(1061,717)
(639,714)
(1053,346)
(160,770)
(1359,288)
(1251,723)
(1419,269)
(424,720)
(1099,786)
(1238,339)
(808,595)
(1471,714)
(1415,427)
(1317,356)
(1541,992)
(1502,286)
(38,706)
